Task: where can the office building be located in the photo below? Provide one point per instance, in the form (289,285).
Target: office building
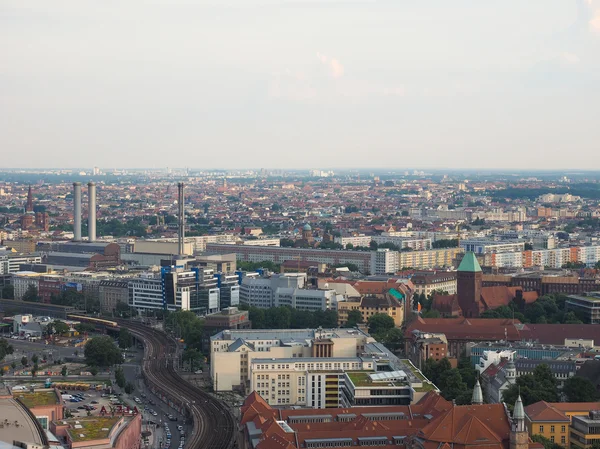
(111,293)
(259,291)
(403,242)
(586,306)
(232,351)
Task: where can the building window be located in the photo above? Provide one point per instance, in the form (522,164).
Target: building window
(563,429)
(563,440)
(552,438)
(551,429)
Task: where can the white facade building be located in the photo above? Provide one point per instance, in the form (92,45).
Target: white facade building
(384,261)
(22,280)
(354,240)
(303,299)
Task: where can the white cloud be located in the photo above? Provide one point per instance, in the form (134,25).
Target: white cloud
(334,67)
(569,58)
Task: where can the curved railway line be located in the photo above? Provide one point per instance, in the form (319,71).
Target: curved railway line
(214,426)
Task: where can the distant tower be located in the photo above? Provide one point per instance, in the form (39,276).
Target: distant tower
(510,372)
(477,398)
(307,233)
(519,438)
(29,205)
(468,285)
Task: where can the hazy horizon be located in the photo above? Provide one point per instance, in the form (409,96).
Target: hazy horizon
(242,84)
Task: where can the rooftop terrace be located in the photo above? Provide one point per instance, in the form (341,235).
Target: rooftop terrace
(37,398)
(94,428)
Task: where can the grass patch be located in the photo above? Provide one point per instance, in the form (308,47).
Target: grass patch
(38,398)
(92,428)
(425,388)
(360,378)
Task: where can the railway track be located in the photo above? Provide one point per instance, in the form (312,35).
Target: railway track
(214,426)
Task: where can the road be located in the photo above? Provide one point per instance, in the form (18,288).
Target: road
(132,371)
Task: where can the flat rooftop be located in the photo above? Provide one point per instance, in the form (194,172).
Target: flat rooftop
(287,334)
(93,428)
(37,398)
(13,413)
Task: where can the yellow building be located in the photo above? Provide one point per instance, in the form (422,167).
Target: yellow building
(371,305)
(543,419)
(429,259)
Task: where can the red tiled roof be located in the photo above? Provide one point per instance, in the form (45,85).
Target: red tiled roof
(446,304)
(543,411)
(555,334)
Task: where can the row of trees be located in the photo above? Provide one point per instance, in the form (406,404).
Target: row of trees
(289,318)
(547,309)
(190,328)
(69,297)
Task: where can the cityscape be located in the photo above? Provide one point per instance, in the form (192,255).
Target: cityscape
(299,224)
(316,308)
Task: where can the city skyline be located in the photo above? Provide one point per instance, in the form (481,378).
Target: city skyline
(300,84)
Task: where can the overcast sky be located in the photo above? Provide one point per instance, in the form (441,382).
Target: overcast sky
(300,83)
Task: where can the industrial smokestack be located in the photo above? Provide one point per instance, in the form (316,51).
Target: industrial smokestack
(181,231)
(77,211)
(92,211)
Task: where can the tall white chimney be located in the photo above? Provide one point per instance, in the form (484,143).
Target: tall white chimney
(77,211)
(92,211)
(180,205)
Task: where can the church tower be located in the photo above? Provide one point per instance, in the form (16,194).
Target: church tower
(519,438)
(468,285)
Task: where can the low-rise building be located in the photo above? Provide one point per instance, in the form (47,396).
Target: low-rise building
(18,426)
(542,418)
(230,318)
(584,430)
(586,306)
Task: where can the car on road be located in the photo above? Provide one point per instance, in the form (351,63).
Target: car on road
(94,402)
(172,418)
(198,371)
(180,428)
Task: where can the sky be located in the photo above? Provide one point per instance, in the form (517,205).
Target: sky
(300,84)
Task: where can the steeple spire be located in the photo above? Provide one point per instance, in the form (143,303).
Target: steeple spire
(477,398)
(519,415)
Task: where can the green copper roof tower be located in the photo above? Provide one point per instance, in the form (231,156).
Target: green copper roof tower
(469,263)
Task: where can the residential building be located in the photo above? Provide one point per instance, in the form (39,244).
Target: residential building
(542,418)
(434,258)
(371,305)
(358,240)
(427,346)
(587,306)
(434,281)
(362,259)
(22,281)
(384,261)
(483,246)
(403,242)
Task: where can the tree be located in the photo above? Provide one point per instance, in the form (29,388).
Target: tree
(31,294)
(8,292)
(349,246)
(35,369)
(64,371)
(125,338)
(354,318)
(13,365)
(5,348)
(393,339)
(24,361)
(545,442)
(60,327)
(537,386)
(380,322)
(580,389)
(34,358)
(120,377)
(83,328)
(191,355)
(129,388)
(101,351)
(94,370)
